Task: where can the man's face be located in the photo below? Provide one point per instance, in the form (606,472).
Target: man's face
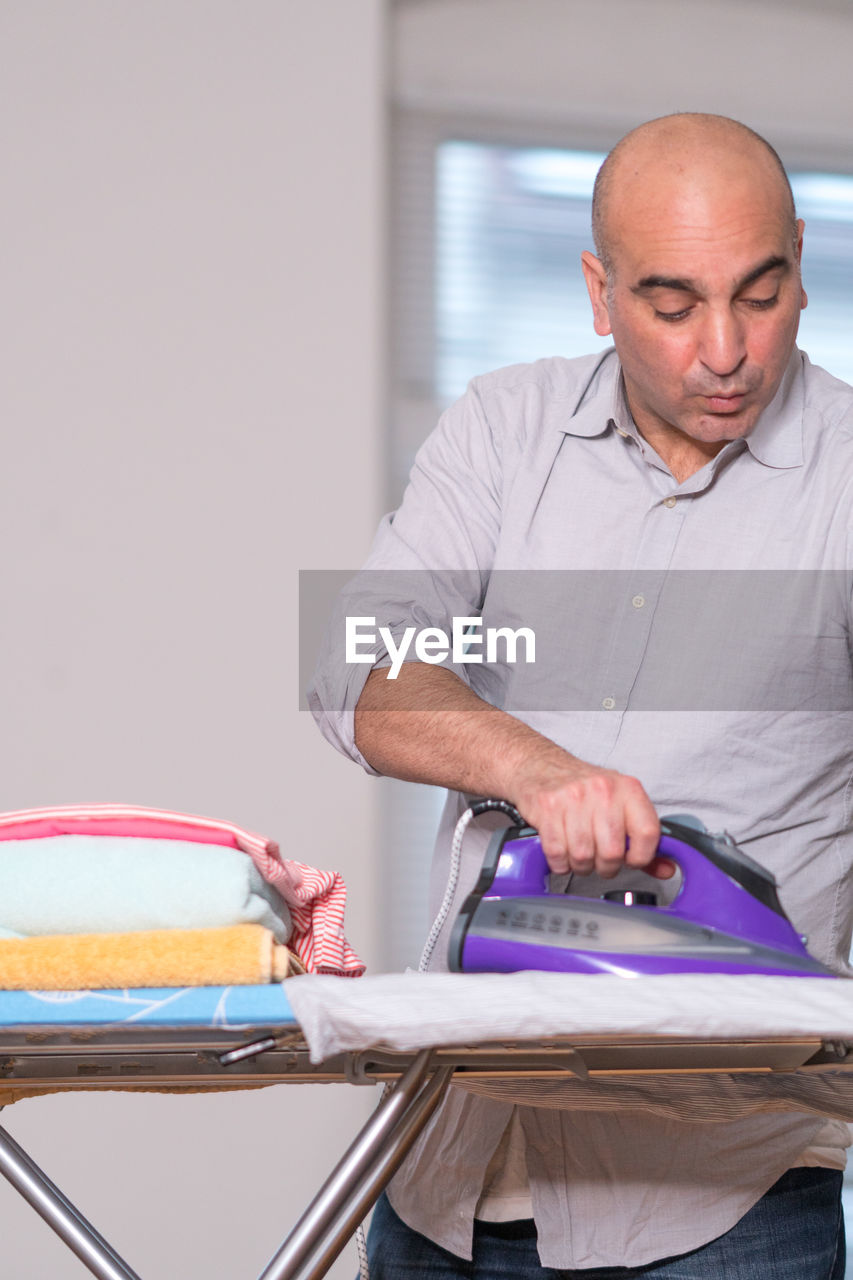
(703,304)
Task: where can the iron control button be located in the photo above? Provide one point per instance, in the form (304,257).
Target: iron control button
(631,897)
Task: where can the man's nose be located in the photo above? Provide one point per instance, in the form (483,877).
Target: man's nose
(723,342)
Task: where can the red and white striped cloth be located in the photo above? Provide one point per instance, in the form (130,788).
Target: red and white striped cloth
(316,898)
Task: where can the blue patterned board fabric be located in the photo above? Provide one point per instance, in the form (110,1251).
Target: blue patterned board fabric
(249,1006)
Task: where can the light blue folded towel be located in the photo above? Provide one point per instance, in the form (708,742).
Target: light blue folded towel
(118,884)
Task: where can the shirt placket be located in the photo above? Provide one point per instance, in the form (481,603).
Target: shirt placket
(637,592)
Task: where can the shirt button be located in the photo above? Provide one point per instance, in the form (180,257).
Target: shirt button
(638,602)
(669,502)
(609,704)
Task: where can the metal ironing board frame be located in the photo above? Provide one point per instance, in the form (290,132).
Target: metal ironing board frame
(123,1056)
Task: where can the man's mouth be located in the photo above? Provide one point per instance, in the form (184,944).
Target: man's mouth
(729,403)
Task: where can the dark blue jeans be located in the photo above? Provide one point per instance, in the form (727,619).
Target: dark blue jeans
(794,1232)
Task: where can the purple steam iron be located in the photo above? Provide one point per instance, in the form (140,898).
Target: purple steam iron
(725,918)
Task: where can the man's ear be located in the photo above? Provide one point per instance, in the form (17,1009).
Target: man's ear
(804,302)
(596,283)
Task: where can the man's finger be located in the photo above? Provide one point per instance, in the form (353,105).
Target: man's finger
(552,837)
(642,825)
(662,868)
(579,839)
(609,836)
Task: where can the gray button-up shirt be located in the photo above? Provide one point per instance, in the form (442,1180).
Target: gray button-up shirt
(693,635)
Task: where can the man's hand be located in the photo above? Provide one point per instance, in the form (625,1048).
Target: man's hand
(427,726)
(589,819)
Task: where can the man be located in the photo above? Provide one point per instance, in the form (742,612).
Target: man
(706,443)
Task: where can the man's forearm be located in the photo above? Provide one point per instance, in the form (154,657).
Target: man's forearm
(428,726)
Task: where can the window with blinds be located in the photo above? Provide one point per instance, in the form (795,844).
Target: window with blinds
(487,268)
(510,226)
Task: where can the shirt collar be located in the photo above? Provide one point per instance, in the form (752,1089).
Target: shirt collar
(776,440)
(602,388)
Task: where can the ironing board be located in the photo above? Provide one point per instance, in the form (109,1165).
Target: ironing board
(218,1037)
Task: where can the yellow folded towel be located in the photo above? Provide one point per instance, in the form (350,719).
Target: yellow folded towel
(230,956)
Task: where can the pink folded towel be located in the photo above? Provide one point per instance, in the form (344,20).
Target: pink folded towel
(316,898)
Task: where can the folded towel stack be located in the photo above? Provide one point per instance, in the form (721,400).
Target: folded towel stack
(108,895)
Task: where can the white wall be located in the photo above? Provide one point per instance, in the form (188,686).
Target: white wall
(191,408)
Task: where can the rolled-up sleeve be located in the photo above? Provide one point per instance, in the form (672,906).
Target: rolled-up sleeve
(429,564)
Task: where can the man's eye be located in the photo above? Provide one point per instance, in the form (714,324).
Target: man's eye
(673,315)
(762,304)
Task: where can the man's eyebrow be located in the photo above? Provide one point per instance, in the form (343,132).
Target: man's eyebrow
(681,285)
(772,264)
(663,282)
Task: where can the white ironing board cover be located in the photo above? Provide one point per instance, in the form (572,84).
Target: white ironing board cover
(410,1011)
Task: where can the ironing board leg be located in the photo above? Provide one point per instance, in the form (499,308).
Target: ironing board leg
(58,1212)
(366,1192)
(359,1177)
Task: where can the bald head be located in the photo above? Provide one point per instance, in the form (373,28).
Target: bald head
(675,154)
(697,279)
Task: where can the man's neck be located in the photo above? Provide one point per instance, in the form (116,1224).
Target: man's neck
(682,454)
